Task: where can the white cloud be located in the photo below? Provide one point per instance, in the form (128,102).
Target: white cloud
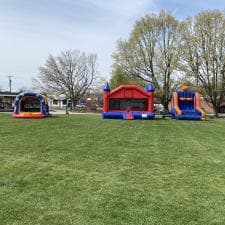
(27,37)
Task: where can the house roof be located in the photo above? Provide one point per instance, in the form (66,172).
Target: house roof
(223,104)
(8,94)
(157,100)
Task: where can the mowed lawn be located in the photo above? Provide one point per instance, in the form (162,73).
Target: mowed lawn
(83,170)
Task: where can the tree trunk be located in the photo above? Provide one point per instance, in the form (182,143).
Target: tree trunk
(74,103)
(165,103)
(216,110)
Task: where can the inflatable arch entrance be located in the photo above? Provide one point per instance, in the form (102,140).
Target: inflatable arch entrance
(30,105)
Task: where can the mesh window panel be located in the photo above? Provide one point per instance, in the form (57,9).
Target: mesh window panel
(30,104)
(128,104)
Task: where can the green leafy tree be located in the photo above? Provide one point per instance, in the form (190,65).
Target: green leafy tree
(151,53)
(119,77)
(203,57)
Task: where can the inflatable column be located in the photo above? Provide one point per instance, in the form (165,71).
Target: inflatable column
(150,89)
(106,98)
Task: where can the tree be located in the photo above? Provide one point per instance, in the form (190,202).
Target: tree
(151,52)
(70,74)
(119,77)
(203,55)
(97,89)
(23,89)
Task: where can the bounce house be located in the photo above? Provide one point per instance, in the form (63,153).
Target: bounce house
(186,105)
(30,105)
(128,102)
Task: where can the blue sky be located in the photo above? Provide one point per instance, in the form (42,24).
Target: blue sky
(30,30)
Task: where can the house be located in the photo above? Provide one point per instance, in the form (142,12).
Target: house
(85,103)
(207,106)
(7,100)
(57,103)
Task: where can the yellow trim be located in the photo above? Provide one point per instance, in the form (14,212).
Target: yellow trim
(19,105)
(30,112)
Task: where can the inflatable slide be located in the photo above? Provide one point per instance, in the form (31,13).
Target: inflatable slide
(186,105)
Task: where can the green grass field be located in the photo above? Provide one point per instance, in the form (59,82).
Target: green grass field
(87,171)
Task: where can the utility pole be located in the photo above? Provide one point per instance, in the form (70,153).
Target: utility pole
(10,83)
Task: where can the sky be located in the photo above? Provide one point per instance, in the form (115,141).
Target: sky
(31,30)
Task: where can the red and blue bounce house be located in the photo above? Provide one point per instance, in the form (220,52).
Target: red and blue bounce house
(128,102)
(30,105)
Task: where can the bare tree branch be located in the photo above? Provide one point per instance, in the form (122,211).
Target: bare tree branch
(70,74)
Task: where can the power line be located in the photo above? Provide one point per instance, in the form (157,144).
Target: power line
(10,83)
